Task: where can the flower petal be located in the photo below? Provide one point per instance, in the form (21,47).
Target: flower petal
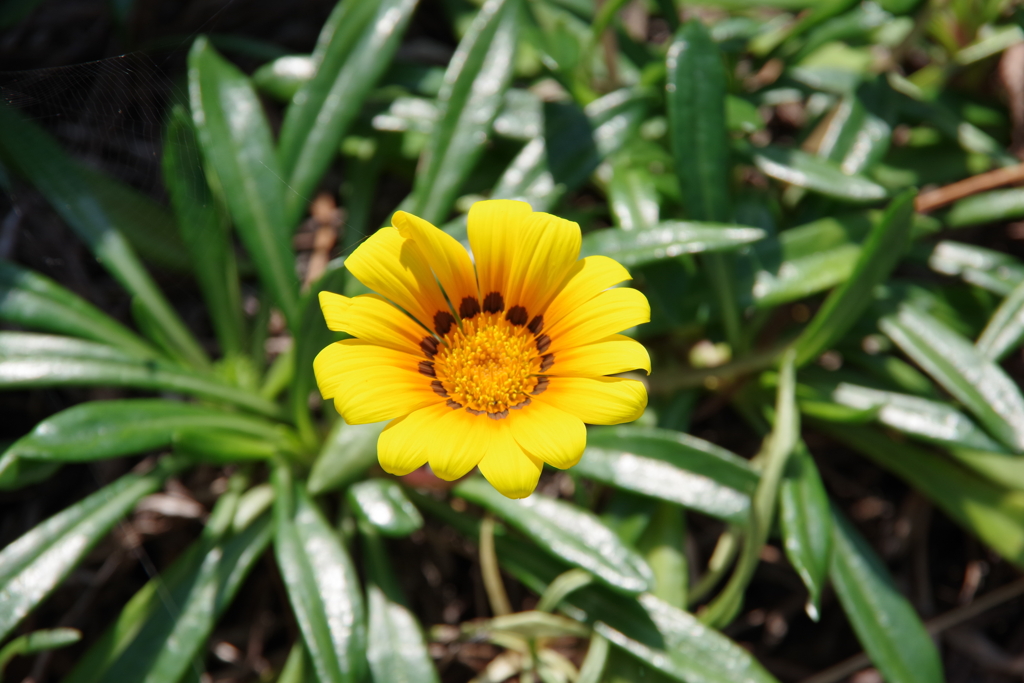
(587,278)
(371,383)
(394,266)
(494,228)
(458,443)
(447,258)
(608,356)
(597,400)
(548,433)
(513,472)
(544,254)
(401,447)
(607,313)
(371,318)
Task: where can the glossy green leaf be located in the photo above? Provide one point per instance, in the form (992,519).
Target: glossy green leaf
(108,429)
(166,624)
(473,91)
(977,382)
(224,447)
(801,169)
(16,473)
(284,76)
(382,504)
(696,109)
(204,230)
(37,562)
(986,207)
(37,360)
(37,157)
(633,198)
(666,240)
(805,520)
(322,585)
(348,452)
(696,87)
(881,252)
(566,531)
(354,50)
(662,547)
(885,622)
(236,143)
(38,641)
(993,513)
(860,127)
(37,302)
(395,646)
(672,466)
(926,419)
(995,271)
(1005,329)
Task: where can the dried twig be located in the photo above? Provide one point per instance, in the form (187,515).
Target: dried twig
(929,201)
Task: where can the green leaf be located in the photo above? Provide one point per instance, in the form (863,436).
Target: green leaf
(37,302)
(633,197)
(1005,329)
(977,382)
(884,621)
(204,230)
(881,252)
(348,452)
(355,48)
(284,76)
(108,429)
(473,92)
(236,143)
(992,512)
(986,207)
(926,419)
(671,466)
(36,563)
(38,641)
(322,584)
(37,360)
(696,109)
(223,447)
(16,473)
(805,521)
(382,504)
(566,531)
(41,161)
(662,547)
(801,169)
(995,271)
(696,88)
(167,623)
(666,240)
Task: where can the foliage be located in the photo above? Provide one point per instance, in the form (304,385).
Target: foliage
(736,219)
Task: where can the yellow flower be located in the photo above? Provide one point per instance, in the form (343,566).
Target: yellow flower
(500,366)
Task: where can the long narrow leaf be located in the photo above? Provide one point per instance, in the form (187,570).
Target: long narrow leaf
(236,143)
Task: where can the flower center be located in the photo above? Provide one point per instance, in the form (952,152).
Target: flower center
(488,365)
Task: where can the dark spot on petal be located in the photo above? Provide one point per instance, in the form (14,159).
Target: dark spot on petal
(439,388)
(517,316)
(542,386)
(429,346)
(522,405)
(474,412)
(536,325)
(469,307)
(543,343)
(546,361)
(453,405)
(443,321)
(498,416)
(494,303)
(427,368)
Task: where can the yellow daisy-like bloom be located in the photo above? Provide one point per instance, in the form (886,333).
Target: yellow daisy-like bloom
(498,366)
